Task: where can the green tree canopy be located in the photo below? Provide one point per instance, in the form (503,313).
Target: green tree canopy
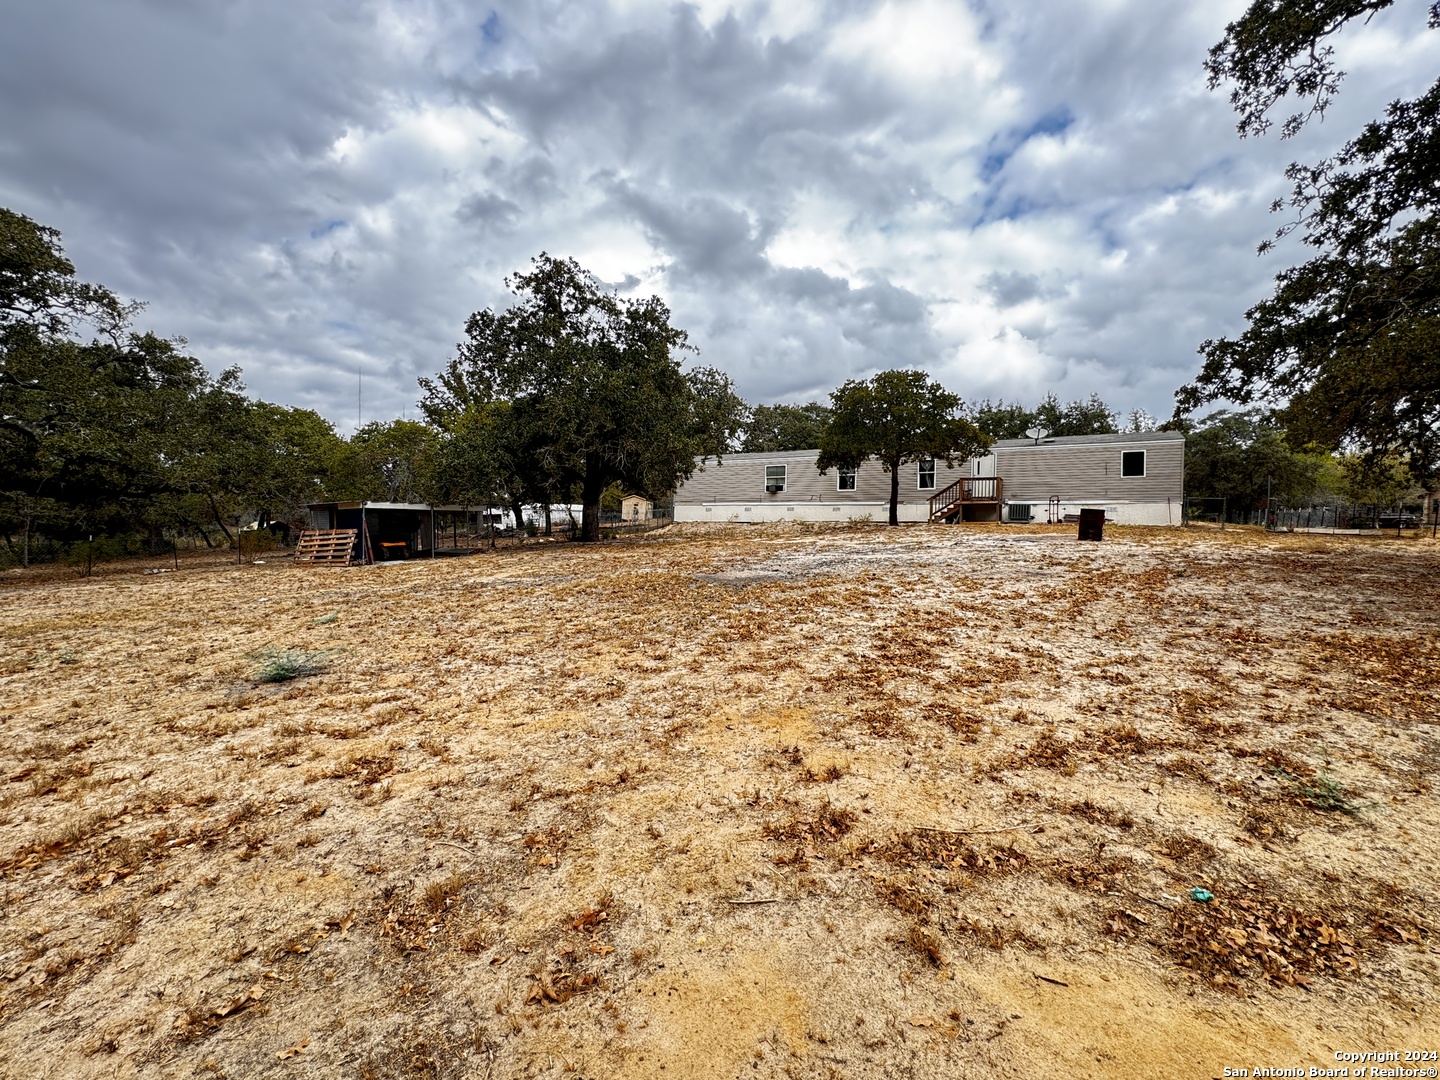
(770,428)
(1089,416)
(1347,348)
(598,381)
(896,417)
(1373,480)
(1242,456)
(127,431)
(296,450)
(494,453)
(386,462)
(39,291)
(97,433)
(1002,420)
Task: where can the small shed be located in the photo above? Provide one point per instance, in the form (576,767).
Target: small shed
(383,531)
(636,508)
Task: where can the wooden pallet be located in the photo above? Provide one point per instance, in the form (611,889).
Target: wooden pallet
(326,547)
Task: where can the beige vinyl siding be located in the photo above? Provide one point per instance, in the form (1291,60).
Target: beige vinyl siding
(740,478)
(1091,471)
(1085,469)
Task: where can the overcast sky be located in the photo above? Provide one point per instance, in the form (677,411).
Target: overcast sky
(1015,197)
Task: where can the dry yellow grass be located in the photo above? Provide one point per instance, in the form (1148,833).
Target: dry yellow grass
(747,802)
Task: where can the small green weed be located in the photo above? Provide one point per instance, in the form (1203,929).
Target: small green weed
(282,665)
(1319,792)
(1326,793)
(324,619)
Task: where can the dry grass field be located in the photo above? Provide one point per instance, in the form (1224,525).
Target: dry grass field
(764,802)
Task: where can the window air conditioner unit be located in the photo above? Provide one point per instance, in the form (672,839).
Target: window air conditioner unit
(774,489)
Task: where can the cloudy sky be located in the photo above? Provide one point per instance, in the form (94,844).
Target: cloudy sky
(1016,197)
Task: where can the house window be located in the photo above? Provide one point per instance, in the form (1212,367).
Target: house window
(925,478)
(1132,463)
(845,479)
(775,478)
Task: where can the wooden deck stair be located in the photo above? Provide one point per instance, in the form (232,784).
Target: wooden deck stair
(326,547)
(949,504)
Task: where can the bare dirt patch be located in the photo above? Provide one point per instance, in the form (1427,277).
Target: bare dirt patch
(748,802)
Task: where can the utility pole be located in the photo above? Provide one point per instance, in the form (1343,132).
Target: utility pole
(359,394)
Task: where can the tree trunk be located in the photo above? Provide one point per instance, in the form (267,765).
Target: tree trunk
(895,493)
(518,509)
(26,559)
(548,530)
(590,491)
(216,511)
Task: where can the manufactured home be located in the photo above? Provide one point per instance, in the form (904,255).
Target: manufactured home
(1137,478)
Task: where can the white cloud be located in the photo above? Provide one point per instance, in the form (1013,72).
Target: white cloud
(928,46)
(1018,197)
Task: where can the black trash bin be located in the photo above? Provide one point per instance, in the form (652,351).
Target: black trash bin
(1092,524)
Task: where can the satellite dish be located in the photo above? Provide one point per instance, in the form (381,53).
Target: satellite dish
(1036,433)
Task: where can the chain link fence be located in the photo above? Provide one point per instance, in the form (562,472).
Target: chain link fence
(1347,518)
(1329,517)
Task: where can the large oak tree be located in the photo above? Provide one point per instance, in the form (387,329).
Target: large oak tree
(106,430)
(598,382)
(1347,349)
(896,417)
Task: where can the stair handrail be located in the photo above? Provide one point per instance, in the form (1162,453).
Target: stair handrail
(949,502)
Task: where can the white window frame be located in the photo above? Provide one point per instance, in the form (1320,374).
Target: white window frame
(784,477)
(920,472)
(1144,465)
(841,473)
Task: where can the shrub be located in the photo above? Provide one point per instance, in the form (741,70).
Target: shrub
(1325,792)
(281,665)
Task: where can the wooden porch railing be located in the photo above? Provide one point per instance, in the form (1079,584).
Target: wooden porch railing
(969,489)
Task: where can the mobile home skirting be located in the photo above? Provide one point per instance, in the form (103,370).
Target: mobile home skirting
(1164,512)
